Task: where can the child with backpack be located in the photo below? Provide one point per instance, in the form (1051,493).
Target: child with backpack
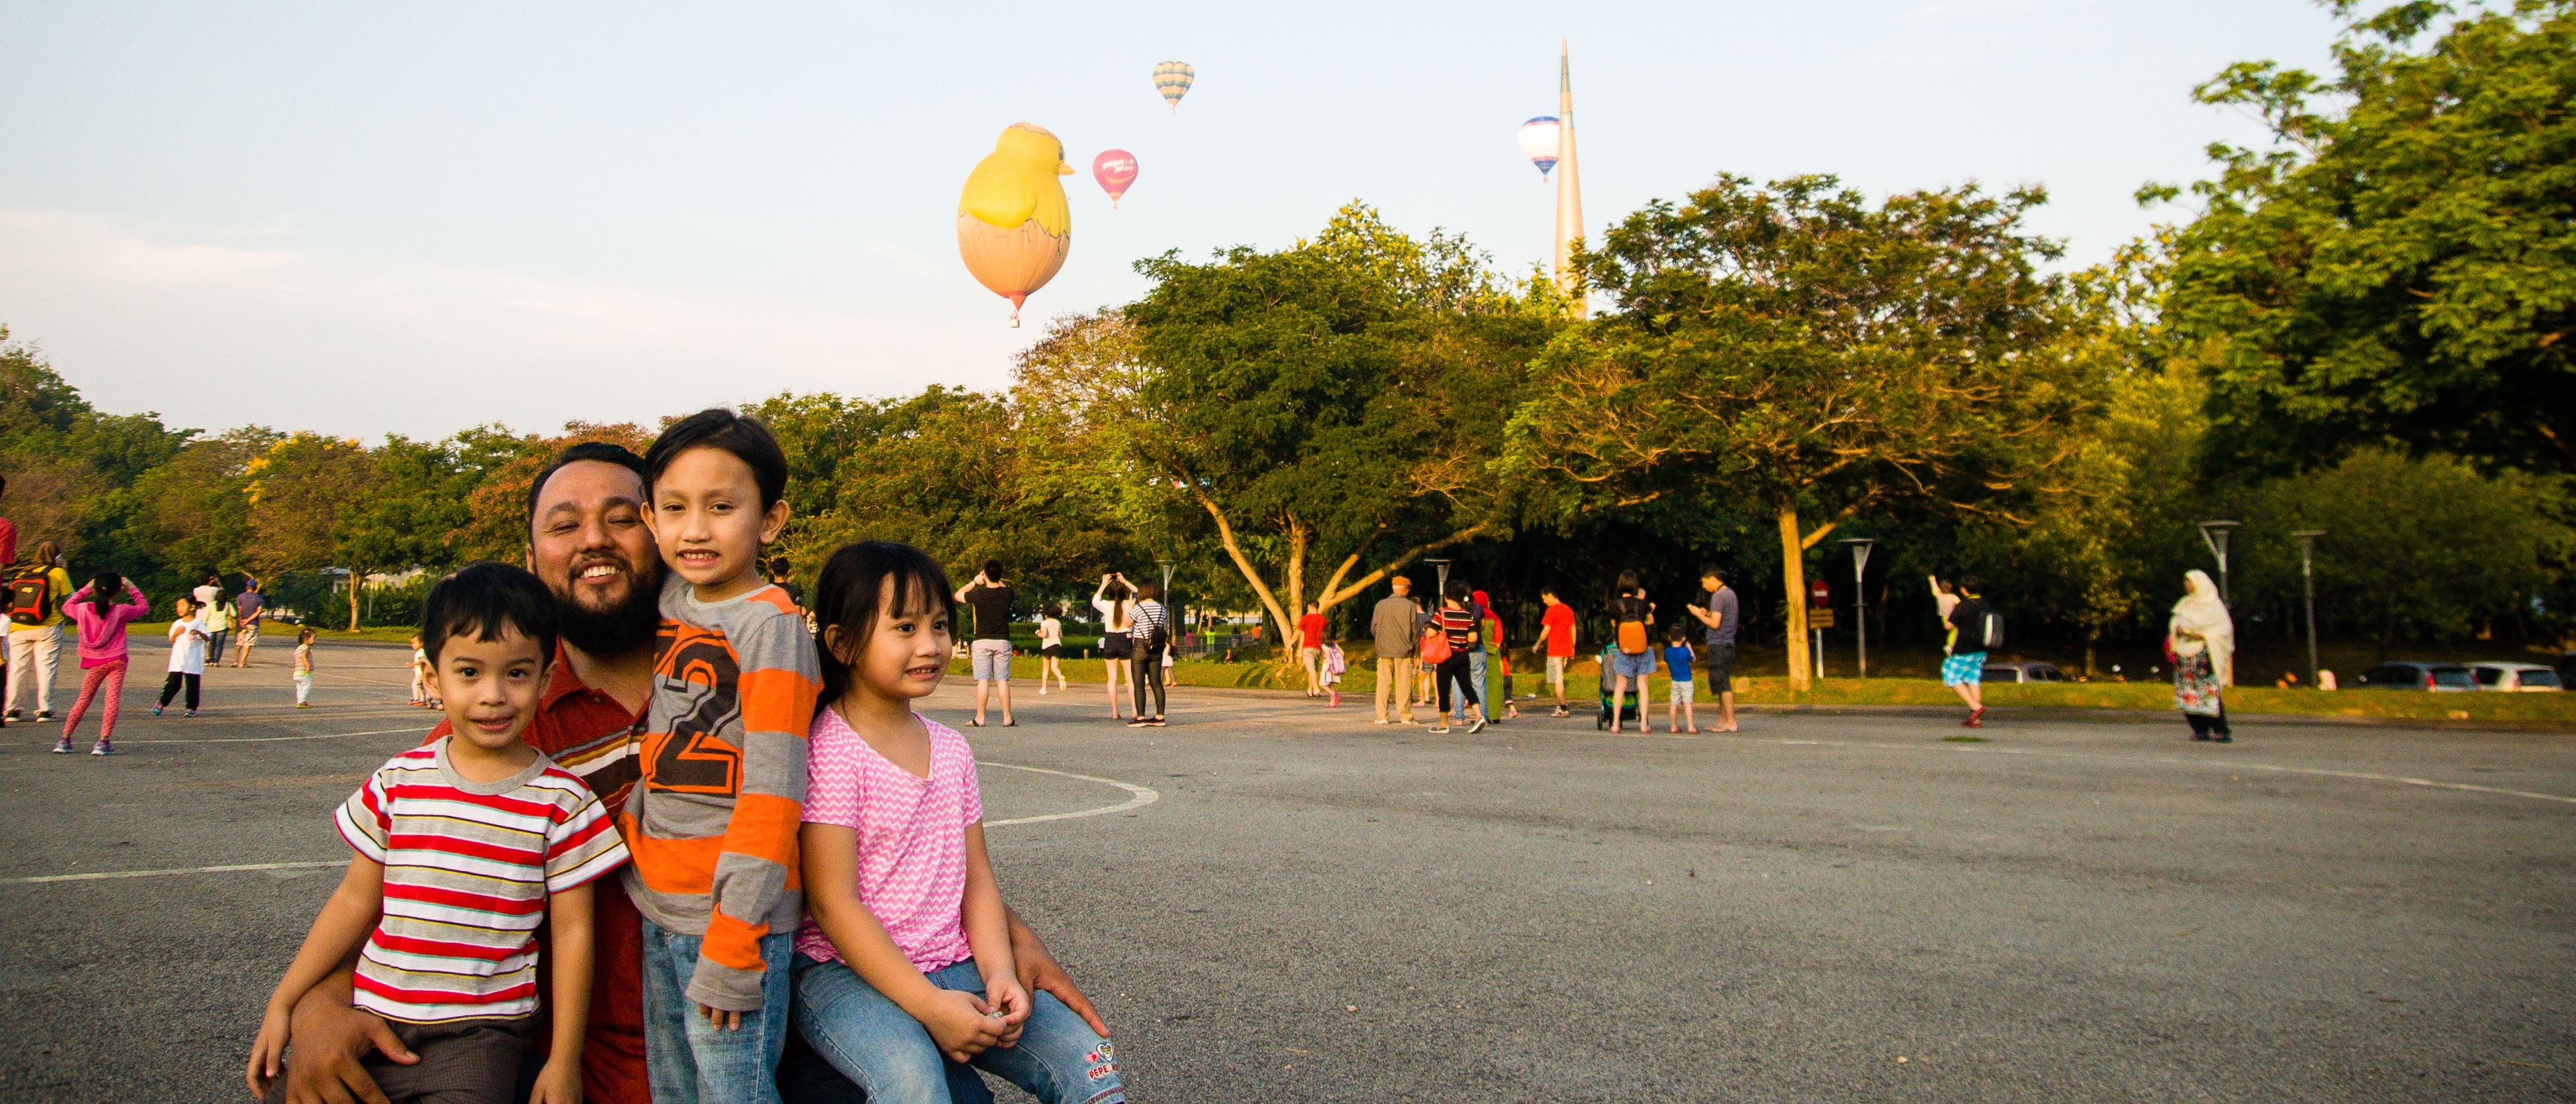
(1972,622)
(36,628)
(1632,662)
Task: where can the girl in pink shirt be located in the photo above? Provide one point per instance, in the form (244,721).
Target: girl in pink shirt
(102,620)
(905,957)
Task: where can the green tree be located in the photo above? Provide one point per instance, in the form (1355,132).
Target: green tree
(298,490)
(1330,408)
(1813,354)
(2399,265)
(2424,548)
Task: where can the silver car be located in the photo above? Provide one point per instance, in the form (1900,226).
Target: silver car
(2523,677)
(2024,672)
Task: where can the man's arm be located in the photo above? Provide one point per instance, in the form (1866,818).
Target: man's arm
(1040,972)
(331,1039)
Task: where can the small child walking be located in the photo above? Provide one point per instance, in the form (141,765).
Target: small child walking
(420,674)
(464,845)
(713,815)
(905,959)
(188,638)
(1678,657)
(1334,664)
(303,668)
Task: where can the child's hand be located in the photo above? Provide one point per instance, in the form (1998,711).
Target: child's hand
(1013,1002)
(720,1019)
(558,1083)
(961,1025)
(268,1051)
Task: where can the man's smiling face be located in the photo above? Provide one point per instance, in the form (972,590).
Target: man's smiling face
(588,541)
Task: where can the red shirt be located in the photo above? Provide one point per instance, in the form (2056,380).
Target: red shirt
(586,732)
(1557,625)
(1310,629)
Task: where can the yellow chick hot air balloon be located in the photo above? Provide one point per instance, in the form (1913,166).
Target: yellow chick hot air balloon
(1013,227)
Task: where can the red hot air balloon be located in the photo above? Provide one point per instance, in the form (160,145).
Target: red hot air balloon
(1115,170)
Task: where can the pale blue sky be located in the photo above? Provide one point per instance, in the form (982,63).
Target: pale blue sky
(373,217)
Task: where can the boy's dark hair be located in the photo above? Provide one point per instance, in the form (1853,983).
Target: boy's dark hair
(849,596)
(483,598)
(1627,582)
(992,569)
(1547,592)
(1967,583)
(1710,571)
(1678,634)
(719,428)
(604,452)
(304,633)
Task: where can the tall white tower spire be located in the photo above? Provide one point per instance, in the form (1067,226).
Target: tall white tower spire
(1569,184)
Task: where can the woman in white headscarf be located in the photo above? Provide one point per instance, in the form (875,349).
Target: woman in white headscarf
(2201,639)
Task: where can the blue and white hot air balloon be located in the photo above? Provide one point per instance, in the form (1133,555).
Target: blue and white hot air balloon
(1539,143)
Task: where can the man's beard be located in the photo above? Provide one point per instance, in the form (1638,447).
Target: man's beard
(628,625)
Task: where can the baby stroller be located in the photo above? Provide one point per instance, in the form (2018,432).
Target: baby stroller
(1628,712)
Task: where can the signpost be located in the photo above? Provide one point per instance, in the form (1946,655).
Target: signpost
(1820,616)
(2215,534)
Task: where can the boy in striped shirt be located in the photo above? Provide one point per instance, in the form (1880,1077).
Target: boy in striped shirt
(463,846)
(714,815)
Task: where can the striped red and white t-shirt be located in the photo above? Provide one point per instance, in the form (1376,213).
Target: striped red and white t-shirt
(468,867)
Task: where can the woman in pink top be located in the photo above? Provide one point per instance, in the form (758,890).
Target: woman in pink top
(102,622)
(905,957)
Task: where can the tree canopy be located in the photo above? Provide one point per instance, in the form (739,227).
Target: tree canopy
(2399,266)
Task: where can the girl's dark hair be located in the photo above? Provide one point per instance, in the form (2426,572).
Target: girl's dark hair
(104,589)
(1117,591)
(719,428)
(480,600)
(1627,582)
(1459,590)
(851,593)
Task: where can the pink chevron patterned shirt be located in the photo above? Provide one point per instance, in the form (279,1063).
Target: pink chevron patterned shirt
(912,836)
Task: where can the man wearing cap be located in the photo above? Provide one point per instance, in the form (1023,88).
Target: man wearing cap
(1392,628)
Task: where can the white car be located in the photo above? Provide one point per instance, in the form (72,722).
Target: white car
(2525,677)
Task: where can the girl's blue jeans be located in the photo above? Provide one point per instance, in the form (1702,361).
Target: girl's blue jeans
(887,1053)
(690,1061)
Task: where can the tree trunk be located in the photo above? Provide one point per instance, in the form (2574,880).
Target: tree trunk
(2091,636)
(1242,563)
(357,579)
(1793,579)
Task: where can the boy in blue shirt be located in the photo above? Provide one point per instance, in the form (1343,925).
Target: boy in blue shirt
(1677,662)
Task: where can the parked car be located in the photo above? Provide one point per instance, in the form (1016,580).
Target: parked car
(2527,677)
(2025,672)
(2418,675)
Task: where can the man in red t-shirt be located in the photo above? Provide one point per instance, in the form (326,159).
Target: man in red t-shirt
(588,542)
(1556,627)
(1310,648)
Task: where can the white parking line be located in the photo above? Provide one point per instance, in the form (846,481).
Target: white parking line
(2212,764)
(1138,797)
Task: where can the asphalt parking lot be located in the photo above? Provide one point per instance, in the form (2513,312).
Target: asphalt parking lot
(1274,901)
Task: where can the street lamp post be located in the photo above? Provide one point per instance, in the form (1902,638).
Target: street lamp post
(2308,593)
(1440,589)
(1169,606)
(1860,547)
(2215,534)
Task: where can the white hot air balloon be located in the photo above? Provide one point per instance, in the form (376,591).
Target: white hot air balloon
(1539,143)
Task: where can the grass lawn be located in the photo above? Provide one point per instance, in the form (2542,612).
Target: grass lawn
(1582,684)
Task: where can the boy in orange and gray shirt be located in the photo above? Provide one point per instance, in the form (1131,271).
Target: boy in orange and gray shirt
(713,820)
